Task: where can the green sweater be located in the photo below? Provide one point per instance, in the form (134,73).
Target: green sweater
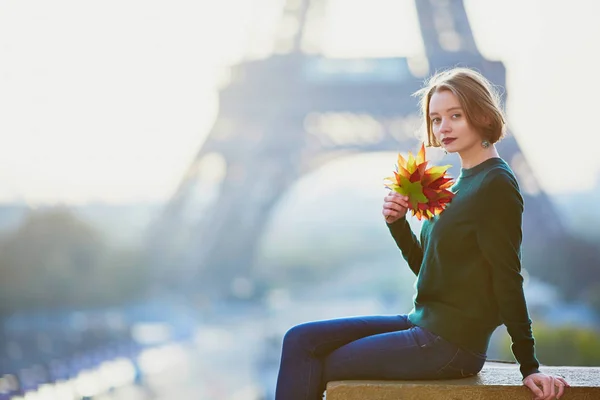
(468,264)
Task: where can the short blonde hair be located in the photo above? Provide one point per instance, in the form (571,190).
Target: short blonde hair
(477,96)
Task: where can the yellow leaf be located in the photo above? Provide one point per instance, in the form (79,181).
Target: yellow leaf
(401,161)
(411,165)
(421,155)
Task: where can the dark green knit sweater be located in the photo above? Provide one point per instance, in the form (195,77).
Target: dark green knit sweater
(468,264)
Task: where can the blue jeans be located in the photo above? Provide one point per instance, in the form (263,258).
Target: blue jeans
(374,347)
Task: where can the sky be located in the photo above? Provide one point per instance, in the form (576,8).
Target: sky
(110,101)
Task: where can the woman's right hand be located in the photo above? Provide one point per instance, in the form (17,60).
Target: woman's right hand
(395,207)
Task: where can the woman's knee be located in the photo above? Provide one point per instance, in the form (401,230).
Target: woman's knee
(299,335)
(295,333)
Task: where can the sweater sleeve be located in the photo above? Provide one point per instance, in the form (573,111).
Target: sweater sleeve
(499,236)
(408,243)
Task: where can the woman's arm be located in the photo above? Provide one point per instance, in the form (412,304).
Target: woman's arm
(407,243)
(395,207)
(499,235)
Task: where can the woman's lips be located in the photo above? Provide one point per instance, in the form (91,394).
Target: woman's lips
(448,140)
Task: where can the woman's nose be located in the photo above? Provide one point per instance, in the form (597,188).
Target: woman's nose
(445,125)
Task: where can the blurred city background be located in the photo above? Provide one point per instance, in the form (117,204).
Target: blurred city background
(181,182)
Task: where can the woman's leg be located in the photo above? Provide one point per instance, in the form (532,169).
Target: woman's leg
(412,354)
(305,347)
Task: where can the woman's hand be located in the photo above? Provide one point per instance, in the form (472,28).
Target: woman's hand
(545,387)
(395,206)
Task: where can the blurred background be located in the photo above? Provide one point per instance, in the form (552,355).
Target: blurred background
(181,182)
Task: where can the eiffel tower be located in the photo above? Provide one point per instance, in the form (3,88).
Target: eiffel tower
(285,115)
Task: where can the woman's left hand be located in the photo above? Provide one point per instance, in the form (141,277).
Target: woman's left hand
(545,387)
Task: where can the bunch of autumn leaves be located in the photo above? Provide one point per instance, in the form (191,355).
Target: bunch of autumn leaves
(427,189)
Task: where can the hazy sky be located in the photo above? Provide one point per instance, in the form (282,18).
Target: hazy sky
(110,100)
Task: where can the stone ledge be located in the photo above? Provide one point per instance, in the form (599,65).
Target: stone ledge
(495,381)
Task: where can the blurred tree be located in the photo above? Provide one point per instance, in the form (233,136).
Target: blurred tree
(571,263)
(320,254)
(592,297)
(54,260)
(565,345)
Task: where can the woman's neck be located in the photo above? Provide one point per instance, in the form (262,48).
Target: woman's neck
(475,156)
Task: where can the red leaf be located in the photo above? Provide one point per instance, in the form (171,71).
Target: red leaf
(415,177)
(430,193)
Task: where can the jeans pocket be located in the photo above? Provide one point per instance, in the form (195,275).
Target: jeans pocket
(423,337)
(462,365)
(429,340)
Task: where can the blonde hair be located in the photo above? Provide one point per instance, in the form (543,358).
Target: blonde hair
(477,96)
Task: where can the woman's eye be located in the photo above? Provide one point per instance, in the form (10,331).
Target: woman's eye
(455,116)
(435,120)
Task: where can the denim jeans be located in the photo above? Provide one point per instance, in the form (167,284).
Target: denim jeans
(373,347)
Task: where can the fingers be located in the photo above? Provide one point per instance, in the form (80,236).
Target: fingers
(391,215)
(561,389)
(394,207)
(396,198)
(397,206)
(549,388)
(395,203)
(561,383)
(561,379)
(538,393)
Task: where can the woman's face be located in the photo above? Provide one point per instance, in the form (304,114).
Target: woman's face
(450,125)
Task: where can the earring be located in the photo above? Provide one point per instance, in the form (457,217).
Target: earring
(485,144)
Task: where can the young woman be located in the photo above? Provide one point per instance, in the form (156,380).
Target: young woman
(467,263)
